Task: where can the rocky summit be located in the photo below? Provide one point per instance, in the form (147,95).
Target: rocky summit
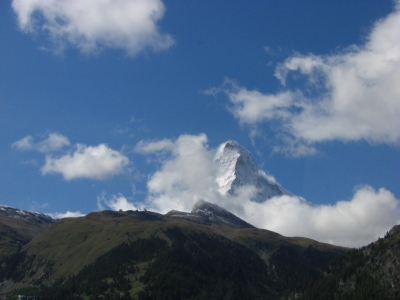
(236,169)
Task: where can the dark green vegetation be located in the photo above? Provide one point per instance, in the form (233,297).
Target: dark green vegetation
(372,272)
(199,266)
(144,255)
(195,266)
(112,275)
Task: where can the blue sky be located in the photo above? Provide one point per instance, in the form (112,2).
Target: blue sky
(97,101)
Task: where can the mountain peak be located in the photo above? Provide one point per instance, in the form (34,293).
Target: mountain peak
(237,168)
(216,214)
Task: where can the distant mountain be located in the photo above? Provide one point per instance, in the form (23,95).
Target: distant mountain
(206,254)
(236,168)
(18,227)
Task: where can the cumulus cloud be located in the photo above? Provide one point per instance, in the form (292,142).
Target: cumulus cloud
(351,95)
(92,25)
(186,175)
(95,162)
(189,172)
(53,142)
(356,222)
(68,214)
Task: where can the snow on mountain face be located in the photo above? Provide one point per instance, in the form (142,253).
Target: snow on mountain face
(216,214)
(14,213)
(237,168)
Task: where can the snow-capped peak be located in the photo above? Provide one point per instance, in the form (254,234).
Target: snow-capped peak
(237,168)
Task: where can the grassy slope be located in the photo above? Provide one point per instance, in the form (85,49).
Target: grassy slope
(16,232)
(74,243)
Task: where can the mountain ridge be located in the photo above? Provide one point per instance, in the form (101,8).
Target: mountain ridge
(70,244)
(208,241)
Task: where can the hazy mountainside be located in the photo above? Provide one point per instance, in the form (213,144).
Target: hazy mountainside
(371,272)
(18,227)
(236,168)
(191,246)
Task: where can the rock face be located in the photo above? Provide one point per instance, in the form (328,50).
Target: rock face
(237,169)
(216,214)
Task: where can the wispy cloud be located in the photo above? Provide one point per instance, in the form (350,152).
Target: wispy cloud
(24,144)
(351,95)
(146,147)
(92,25)
(189,172)
(95,162)
(68,214)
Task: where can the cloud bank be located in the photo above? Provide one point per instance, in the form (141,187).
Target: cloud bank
(351,95)
(187,173)
(94,162)
(92,25)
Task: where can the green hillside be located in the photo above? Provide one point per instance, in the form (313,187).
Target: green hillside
(192,254)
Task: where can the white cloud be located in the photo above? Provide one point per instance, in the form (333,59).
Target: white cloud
(359,221)
(68,214)
(188,174)
(95,162)
(24,144)
(117,202)
(349,96)
(156,146)
(53,142)
(91,25)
